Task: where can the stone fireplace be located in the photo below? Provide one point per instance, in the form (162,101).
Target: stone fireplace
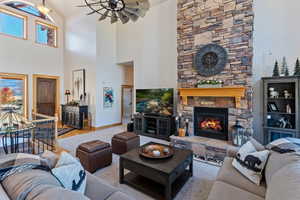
(211,122)
(228,23)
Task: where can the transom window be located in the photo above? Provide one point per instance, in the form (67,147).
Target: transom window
(46,34)
(13,24)
(27,9)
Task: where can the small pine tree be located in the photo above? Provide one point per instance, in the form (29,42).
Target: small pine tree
(297,68)
(287,72)
(276,69)
(283,66)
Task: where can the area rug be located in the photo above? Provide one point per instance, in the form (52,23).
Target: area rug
(197,188)
(63,131)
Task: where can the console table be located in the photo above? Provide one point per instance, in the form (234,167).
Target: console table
(74,116)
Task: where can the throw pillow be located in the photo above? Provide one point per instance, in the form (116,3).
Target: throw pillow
(285,183)
(70,173)
(251,162)
(49,159)
(285,145)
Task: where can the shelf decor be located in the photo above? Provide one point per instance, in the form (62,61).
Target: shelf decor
(281,107)
(209,84)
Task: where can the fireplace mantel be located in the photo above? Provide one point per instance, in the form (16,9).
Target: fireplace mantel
(234,92)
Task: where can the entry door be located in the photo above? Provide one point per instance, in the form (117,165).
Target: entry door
(127,104)
(46,96)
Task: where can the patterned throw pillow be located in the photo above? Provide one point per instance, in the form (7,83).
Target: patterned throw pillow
(70,173)
(285,145)
(251,162)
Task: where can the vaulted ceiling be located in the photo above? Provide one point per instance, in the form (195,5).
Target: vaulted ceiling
(69,8)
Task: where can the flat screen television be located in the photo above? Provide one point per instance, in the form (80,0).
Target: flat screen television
(155,101)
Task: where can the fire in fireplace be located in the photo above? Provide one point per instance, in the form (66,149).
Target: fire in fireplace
(211,122)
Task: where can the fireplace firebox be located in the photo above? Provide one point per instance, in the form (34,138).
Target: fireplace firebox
(211,122)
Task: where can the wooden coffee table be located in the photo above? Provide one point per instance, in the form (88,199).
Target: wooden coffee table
(161,179)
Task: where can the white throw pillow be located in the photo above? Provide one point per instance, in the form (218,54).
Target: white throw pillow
(251,162)
(70,173)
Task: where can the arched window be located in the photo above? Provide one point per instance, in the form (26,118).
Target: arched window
(28,8)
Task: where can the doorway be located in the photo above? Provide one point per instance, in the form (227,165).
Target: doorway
(46,94)
(127,99)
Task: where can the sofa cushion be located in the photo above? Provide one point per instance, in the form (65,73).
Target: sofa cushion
(96,188)
(276,161)
(70,173)
(251,162)
(285,145)
(224,191)
(231,176)
(3,195)
(22,184)
(57,193)
(285,183)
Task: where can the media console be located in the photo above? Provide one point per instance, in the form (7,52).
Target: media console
(157,126)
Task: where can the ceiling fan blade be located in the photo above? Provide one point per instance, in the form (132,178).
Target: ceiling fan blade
(141,5)
(94,11)
(131,16)
(114,18)
(136,11)
(123,18)
(104,15)
(91,4)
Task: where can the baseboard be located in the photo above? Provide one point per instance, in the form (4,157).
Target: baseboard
(107,126)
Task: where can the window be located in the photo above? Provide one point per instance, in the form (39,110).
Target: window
(46,34)
(27,8)
(13,24)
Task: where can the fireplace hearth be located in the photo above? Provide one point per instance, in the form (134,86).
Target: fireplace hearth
(211,122)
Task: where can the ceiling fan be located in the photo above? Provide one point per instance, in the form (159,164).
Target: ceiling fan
(123,10)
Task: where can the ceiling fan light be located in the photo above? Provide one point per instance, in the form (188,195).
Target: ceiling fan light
(43,9)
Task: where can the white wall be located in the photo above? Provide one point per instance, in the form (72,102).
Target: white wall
(152,45)
(100,46)
(109,74)
(28,57)
(276,34)
(80,53)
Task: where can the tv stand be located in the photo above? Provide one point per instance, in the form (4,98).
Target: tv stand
(157,126)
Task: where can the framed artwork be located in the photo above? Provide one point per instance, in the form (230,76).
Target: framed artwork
(78,84)
(273,107)
(14,91)
(108,97)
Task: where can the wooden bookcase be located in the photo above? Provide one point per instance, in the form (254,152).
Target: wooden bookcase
(281,113)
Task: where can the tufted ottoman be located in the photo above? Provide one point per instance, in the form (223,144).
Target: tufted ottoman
(124,142)
(94,155)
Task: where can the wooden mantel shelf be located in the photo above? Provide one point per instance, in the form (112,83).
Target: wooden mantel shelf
(235,92)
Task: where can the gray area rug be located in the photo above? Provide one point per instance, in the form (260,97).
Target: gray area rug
(197,188)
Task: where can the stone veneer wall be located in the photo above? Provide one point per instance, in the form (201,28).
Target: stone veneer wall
(228,23)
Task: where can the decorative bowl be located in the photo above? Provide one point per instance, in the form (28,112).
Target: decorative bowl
(156,151)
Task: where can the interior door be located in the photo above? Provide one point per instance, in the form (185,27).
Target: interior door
(127,104)
(46,96)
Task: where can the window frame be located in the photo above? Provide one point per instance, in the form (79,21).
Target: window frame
(39,22)
(20,16)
